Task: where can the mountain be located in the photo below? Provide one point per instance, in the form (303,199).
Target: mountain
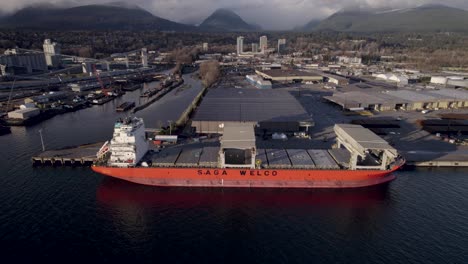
(309,26)
(114,16)
(428,18)
(226,20)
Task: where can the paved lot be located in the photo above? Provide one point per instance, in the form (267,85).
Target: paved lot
(409,137)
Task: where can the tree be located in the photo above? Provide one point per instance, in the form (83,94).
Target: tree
(209,72)
(85,52)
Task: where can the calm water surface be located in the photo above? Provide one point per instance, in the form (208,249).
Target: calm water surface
(74,215)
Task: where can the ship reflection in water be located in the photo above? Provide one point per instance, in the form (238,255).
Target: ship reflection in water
(115,192)
(171,217)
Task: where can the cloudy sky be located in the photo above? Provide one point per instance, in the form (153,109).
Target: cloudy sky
(270,14)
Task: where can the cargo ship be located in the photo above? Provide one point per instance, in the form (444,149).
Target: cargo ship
(360,159)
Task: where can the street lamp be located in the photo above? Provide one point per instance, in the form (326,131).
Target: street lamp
(42,140)
(170,126)
(10,95)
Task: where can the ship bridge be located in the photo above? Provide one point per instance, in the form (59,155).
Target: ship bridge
(238,146)
(363,144)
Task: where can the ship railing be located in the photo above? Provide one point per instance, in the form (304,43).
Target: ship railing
(368,168)
(398,162)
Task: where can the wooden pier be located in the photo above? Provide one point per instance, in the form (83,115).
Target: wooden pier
(76,156)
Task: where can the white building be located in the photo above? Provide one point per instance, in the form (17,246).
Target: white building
(128,145)
(349,60)
(439,80)
(263,44)
(459,81)
(400,80)
(144,57)
(240,45)
(205,47)
(24,114)
(51,52)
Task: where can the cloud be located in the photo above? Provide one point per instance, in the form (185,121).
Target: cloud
(270,14)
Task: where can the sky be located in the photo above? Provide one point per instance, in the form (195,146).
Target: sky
(269,14)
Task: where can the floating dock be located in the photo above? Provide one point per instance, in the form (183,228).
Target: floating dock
(76,156)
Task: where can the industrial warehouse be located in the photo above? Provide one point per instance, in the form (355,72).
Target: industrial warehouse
(401,99)
(270,110)
(289,76)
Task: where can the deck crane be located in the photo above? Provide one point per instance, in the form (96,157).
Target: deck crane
(98,76)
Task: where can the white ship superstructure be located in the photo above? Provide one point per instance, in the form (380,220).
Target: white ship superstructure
(129,144)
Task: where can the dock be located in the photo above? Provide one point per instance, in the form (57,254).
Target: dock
(75,156)
(416,158)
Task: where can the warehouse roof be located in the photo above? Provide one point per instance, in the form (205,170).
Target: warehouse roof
(244,105)
(366,98)
(329,75)
(358,96)
(412,96)
(452,93)
(288,73)
(400,96)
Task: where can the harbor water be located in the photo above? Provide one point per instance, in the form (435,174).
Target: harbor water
(74,215)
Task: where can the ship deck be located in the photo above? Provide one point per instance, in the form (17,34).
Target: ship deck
(205,155)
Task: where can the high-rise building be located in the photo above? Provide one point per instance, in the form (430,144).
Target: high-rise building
(263,44)
(254,48)
(281,45)
(51,52)
(144,57)
(205,46)
(240,45)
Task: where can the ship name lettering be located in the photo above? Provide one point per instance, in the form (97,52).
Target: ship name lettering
(258,173)
(210,172)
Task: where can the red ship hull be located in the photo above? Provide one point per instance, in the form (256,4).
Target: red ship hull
(267,178)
